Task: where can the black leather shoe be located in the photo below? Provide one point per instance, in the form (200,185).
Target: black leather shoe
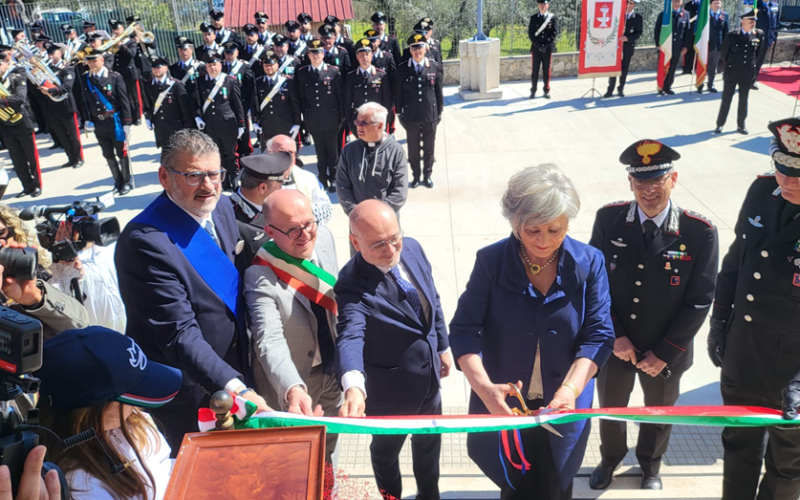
(125,189)
(533,94)
(669,92)
(660,92)
(332,187)
(620,93)
(651,483)
(77,164)
(712,90)
(609,93)
(547,95)
(742,130)
(42,131)
(700,88)
(21,194)
(427,182)
(754,87)
(601,477)
(414,184)
(66,165)
(54,146)
(717,130)
(37,192)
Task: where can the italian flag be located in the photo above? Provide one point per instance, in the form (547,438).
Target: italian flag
(665,44)
(315,283)
(241,411)
(701,37)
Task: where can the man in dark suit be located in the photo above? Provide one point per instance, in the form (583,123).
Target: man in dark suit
(682,41)
(740,52)
(542,31)
(392,347)
(633,30)
(718,30)
(177,266)
(662,267)
(768,23)
(167,107)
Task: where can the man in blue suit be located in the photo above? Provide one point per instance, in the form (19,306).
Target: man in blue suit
(766,21)
(392,348)
(180,284)
(718,27)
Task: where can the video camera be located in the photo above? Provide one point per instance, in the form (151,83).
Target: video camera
(85,229)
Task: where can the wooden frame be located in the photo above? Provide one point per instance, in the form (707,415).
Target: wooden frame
(259,463)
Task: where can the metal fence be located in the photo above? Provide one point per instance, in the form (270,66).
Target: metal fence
(454,20)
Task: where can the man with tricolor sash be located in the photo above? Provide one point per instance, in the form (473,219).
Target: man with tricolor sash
(292,310)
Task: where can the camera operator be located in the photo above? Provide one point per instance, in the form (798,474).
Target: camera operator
(57,310)
(32,485)
(95,379)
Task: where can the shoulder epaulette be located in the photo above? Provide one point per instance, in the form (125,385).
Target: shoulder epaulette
(616,203)
(700,217)
(765,175)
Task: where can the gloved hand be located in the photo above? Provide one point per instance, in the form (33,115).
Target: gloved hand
(257,128)
(88,126)
(241,131)
(716,341)
(200,123)
(149,124)
(127,130)
(791,398)
(293,131)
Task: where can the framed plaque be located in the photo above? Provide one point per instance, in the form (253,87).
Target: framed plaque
(259,463)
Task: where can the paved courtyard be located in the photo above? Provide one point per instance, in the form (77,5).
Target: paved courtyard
(479,146)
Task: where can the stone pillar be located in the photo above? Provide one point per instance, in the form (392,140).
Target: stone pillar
(480,69)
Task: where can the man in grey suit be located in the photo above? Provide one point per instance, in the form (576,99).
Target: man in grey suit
(292,310)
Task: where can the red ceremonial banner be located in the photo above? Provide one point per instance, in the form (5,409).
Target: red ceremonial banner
(602,26)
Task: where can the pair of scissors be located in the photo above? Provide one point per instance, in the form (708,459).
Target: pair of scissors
(525,412)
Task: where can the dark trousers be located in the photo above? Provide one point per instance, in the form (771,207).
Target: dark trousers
(116,154)
(627,54)
(614,386)
(135,95)
(64,128)
(425,452)
(35,99)
(421,136)
(223,132)
(327,144)
(688,61)
(713,62)
(243,145)
(760,62)
(673,65)
(541,60)
(727,96)
(163,132)
(541,481)
(25,158)
(747,448)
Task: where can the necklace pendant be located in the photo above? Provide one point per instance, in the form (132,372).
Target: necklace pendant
(535,269)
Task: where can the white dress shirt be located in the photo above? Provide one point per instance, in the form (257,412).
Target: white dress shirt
(658,219)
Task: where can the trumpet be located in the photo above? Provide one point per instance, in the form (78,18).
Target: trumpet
(8,114)
(112,45)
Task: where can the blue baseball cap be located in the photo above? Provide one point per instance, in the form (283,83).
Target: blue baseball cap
(82,368)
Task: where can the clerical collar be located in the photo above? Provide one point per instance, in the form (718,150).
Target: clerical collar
(376,144)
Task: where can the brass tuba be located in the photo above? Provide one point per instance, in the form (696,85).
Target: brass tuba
(8,114)
(37,71)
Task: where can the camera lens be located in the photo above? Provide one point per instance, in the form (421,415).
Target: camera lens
(20,263)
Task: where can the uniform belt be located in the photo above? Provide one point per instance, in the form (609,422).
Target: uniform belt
(103,116)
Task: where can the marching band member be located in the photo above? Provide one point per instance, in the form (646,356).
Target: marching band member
(62,115)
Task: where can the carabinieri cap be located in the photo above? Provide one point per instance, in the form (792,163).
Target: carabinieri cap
(648,159)
(417,39)
(315,45)
(267,166)
(785,146)
(364,45)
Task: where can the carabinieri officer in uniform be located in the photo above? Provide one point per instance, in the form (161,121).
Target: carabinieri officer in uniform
(109,109)
(167,107)
(662,267)
(542,32)
(754,332)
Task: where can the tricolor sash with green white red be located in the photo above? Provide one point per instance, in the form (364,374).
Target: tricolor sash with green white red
(308,279)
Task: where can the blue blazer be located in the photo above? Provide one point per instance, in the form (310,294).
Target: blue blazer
(718,28)
(177,318)
(381,336)
(502,317)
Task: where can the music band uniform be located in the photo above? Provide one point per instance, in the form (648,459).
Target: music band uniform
(16,129)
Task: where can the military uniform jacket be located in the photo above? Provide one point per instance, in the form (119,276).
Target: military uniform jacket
(358,90)
(682,35)
(767,20)
(433,54)
(179,69)
(176,108)
(244,75)
(17,102)
(340,58)
(124,61)
(321,97)
(419,98)
(546,40)
(142,60)
(660,295)
(227,35)
(113,88)
(294,47)
(633,28)
(348,46)
(282,112)
(67,76)
(718,30)
(758,292)
(227,103)
(390,45)
(204,51)
(246,53)
(692,7)
(291,69)
(385,61)
(740,52)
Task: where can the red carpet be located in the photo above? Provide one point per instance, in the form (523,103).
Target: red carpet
(786,80)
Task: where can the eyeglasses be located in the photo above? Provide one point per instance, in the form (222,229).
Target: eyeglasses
(6,233)
(359,123)
(655,183)
(297,232)
(197,178)
(394,241)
